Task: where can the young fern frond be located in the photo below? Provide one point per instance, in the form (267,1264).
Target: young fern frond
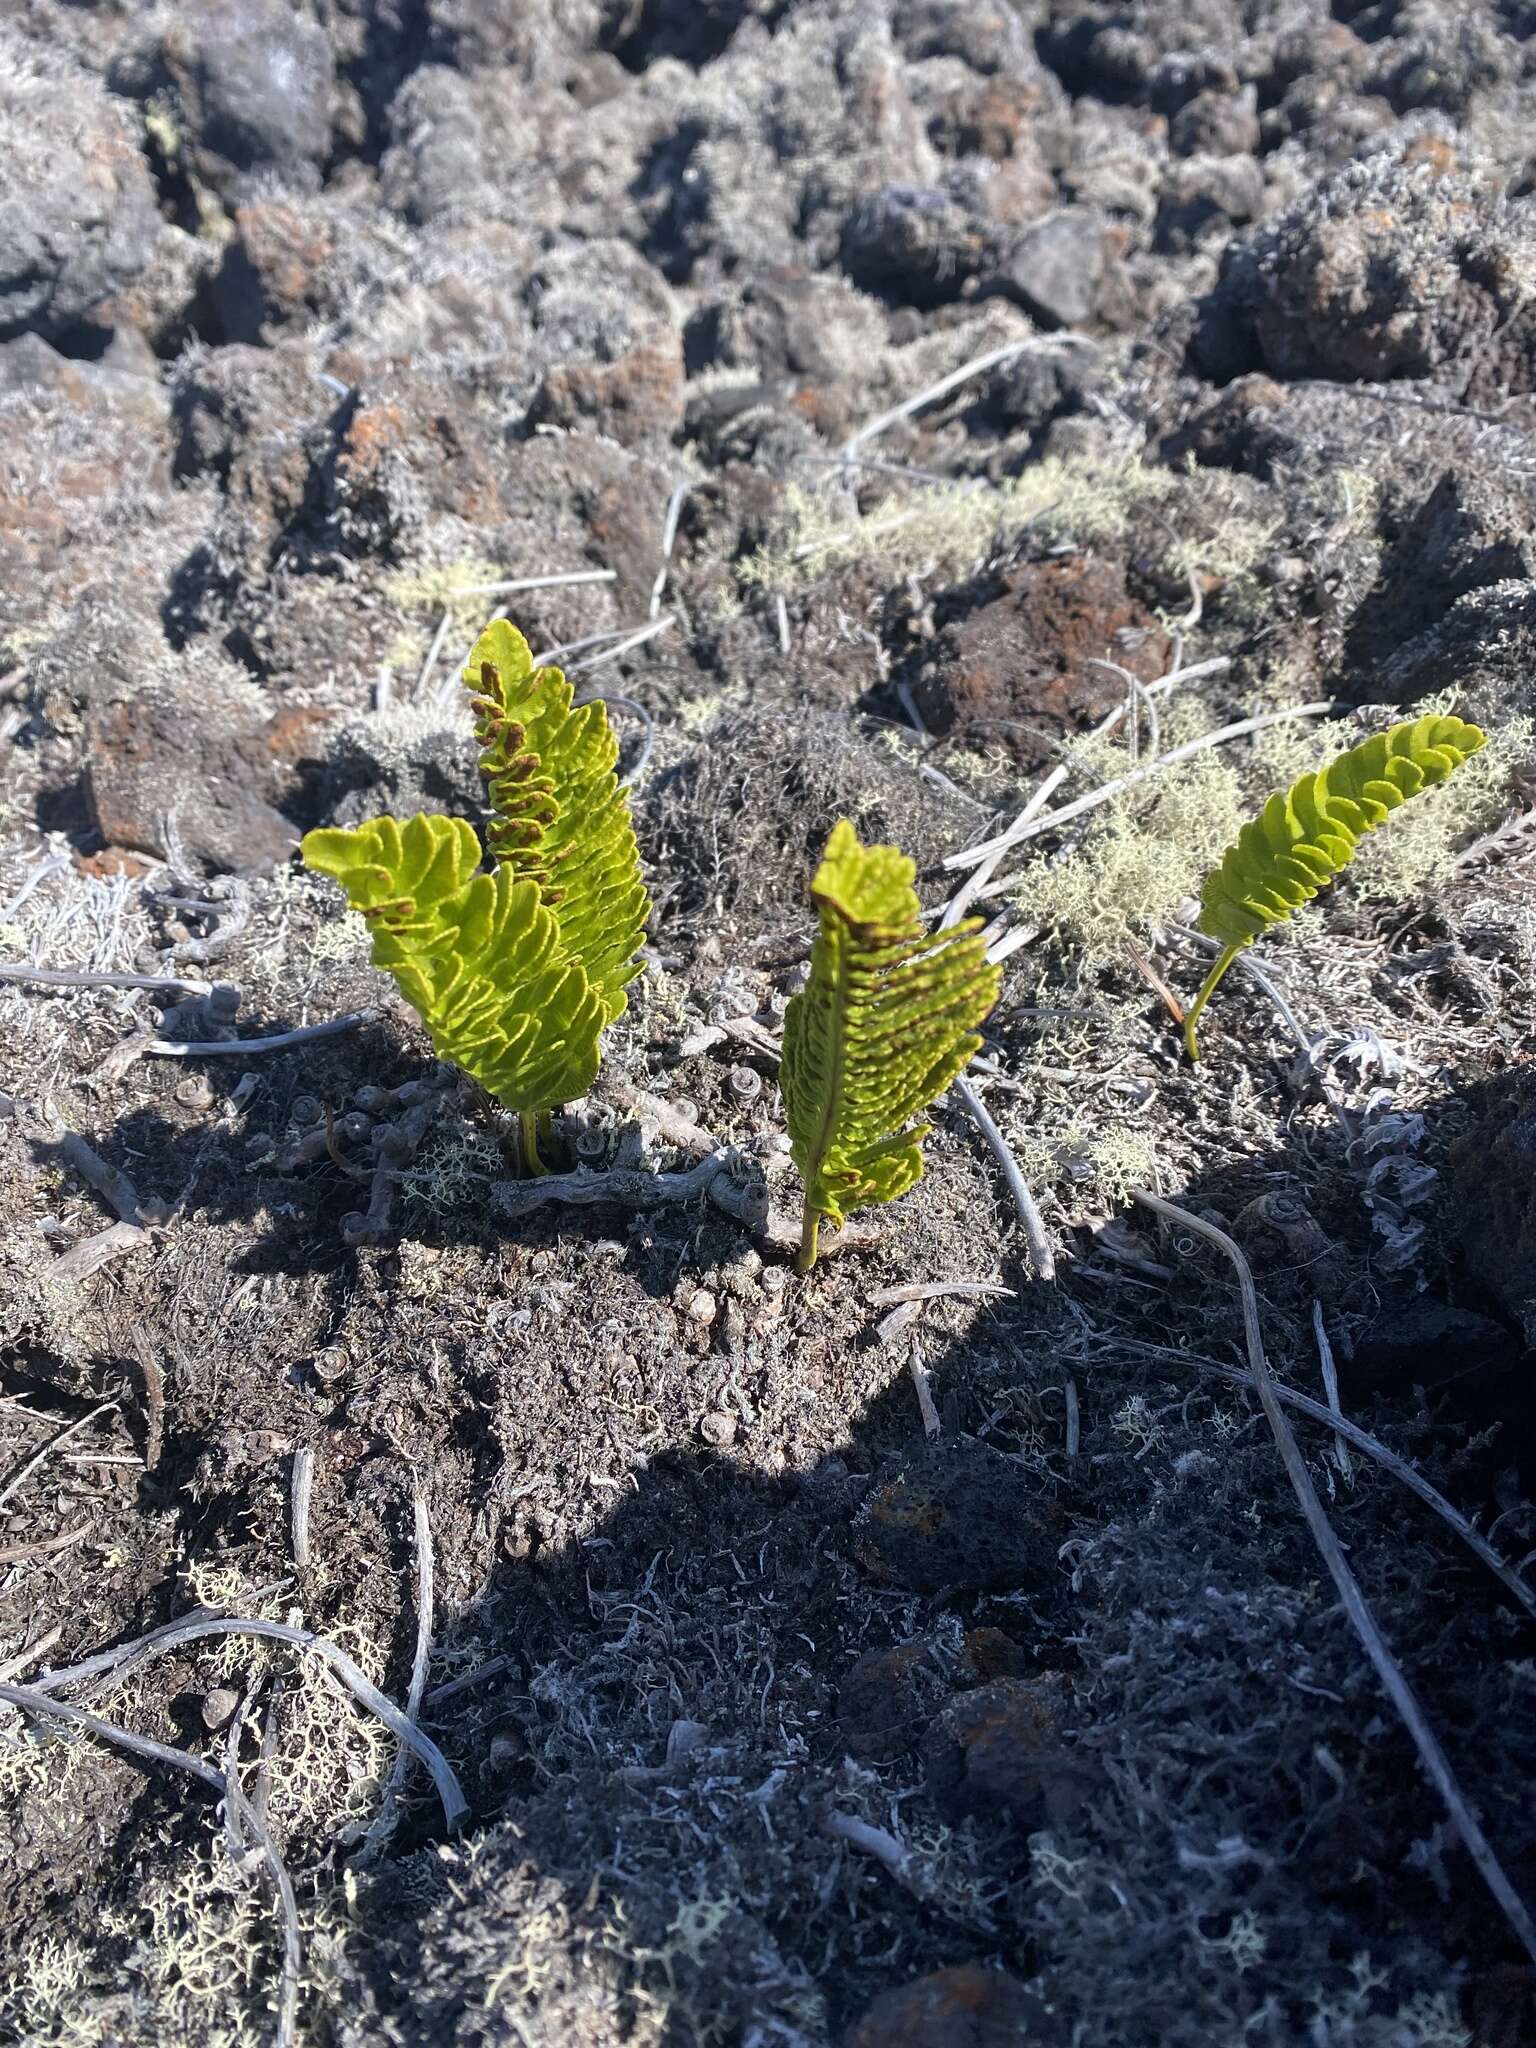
(559,817)
(1306,834)
(885,1023)
(478,956)
(517,972)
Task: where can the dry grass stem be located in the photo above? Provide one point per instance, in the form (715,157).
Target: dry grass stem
(1023,1201)
(1394,1681)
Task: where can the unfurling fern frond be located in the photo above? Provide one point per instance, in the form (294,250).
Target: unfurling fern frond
(885,1023)
(1306,834)
(559,815)
(478,956)
(515,973)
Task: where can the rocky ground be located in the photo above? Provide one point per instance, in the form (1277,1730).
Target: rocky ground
(786,1715)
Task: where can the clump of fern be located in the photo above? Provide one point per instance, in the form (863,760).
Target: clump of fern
(885,1023)
(1306,834)
(516,972)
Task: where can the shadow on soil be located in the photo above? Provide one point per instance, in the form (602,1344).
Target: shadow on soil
(965,1642)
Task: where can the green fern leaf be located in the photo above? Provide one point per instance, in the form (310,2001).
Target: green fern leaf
(560,818)
(885,1023)
(1306,834)
(480,957)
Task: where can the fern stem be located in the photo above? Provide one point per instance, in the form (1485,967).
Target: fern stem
(810,1230)
(528,1142)
(1222,964)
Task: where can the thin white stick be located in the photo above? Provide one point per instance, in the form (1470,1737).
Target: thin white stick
(783,615)
(1023,1201)
(635,640)
(385,1820)
(968,891)
(303,1481)
(1019,831)
(1013,942)
(871,1841)
(1141,697)
(945,385)
(449,1794)
(1394,1681)
(70,977)
(30,1465)
(932,1290)
(933,1428)
(232,1048)
(668,542)
(549,654)
(1330,1374)
(536,582)
(432,653)
(1074,1417)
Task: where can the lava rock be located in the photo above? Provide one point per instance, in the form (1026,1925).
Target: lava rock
(986,35)
(964,2006)
(1483,647)
(1038,386)
(29,364)
(989,1653)
(436,161)
(78,214)
(956,1518)
(1204,198)
(1476,528)
(1222,124)
(1382,271)
(273,272)
(1059,268)
(184,764)
(250,85)
(888,1699)
(913,246)
(390,763)
(999,1749)
(1022,661)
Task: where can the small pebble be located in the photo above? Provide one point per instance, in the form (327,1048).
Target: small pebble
(684,1736)
(718,1429)
(701,1309)
(219,1708)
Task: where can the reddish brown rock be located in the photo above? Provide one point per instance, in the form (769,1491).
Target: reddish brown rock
(1000,1750)
(989,1653)
(637,399)
(888,1699)
(273,273)
(962,2007)
(1023,661)
(184,754)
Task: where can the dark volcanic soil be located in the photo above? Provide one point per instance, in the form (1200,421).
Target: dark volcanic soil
(784,1720)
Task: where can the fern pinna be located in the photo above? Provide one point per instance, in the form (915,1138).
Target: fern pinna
(514,973)
(1306,834)
(885,1023)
